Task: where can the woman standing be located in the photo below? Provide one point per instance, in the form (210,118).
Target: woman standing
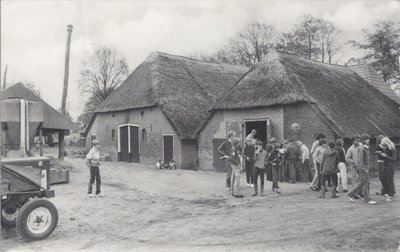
(389,156)
(342,174)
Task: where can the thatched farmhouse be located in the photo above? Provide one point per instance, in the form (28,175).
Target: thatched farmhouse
(287,96)
(173,107)
(157,111)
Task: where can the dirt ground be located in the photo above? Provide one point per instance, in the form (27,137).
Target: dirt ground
(176,210)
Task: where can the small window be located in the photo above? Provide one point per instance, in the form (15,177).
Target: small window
(113,134)
(144,137)
(141,114)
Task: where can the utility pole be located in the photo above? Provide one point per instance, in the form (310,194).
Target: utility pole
(64,94)
(5,78)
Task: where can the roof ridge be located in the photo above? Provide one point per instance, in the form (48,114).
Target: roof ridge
(156,53)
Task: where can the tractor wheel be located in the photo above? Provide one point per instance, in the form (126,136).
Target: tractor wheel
(37,219)
(9,216)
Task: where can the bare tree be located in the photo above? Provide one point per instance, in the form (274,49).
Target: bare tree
(101,74)
(330,44)
(250,45)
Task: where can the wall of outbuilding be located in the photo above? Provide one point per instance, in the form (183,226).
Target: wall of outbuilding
(217,128)
(153,122)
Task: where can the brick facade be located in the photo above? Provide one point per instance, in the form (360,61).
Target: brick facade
(217,128)
(153,122)
(309,122)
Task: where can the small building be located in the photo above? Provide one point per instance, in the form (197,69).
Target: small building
(156,112)
(53,123)
(286,96)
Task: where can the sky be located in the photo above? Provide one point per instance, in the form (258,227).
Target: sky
(34,33)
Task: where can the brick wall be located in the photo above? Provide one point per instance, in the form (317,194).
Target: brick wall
(216,128)
(153,121)
(309,123)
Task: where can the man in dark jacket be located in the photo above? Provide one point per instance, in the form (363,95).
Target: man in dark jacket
(292,156)
(249,151)
(329,168)
(225,150)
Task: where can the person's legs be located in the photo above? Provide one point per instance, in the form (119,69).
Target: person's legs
(292,170)
(228,174)
(390,181)
(335,185)
(236,180)
(98,181)
(91,180)
(385,181)
(380,168)
(356,189)
(256,173)
(262,171)
(343,175)
(354,176)
(275,177)
(365,188)
(324,178)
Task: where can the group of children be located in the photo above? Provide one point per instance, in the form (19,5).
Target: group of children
(330,162)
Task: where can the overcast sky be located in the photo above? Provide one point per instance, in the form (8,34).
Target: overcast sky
(33,33)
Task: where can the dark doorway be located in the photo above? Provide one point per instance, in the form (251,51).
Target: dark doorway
(260,127)
(168,148)
(134,155)
(123,141)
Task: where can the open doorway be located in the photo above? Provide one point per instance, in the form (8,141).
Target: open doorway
(260,127)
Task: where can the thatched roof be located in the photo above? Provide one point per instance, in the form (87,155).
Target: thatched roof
(347,102)
(370,75)
(53,120)
(184,89)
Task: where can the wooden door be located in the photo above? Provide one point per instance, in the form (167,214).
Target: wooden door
(124,144)
(134,143)
(168,147)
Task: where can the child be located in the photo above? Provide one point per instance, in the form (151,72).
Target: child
(249,161)
(274,159)
(259,169)
(329,168)
(363,167)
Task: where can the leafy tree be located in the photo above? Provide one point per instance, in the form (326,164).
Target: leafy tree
(101,74)
(312,38)
(382,48)
(248,47)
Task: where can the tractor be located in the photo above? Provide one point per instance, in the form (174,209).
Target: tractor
(25,179)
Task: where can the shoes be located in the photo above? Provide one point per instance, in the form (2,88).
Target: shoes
(356,197)
(385,195)
(335,196)
(228,189)
(345,191)
(315,189)
(254,194)
(378,193)
(91,195)
(371,202)
(388,199)
(238,196)
(100,195)
(252,185)
(248,185)
(278,191)
(351,199)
